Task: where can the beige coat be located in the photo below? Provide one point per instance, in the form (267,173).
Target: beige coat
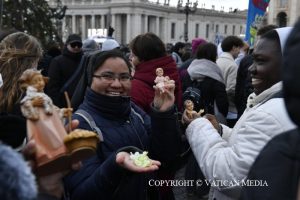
(229,71)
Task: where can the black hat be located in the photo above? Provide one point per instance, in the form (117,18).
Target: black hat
(73,38)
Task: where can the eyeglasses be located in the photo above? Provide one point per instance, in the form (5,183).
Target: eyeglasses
(110,77)
(76,44)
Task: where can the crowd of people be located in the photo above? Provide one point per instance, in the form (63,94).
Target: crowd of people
(134,102)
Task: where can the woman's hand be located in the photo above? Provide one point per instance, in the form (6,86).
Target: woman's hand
(67,112)
(213,120)
(123,159)
(164,100)
(37,102)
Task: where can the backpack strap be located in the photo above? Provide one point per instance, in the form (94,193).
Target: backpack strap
(89,119)
(138,115)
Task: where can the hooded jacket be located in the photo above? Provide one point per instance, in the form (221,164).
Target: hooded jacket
(212,83)
(229,158)
(122,124)
(142,91)
(279,162)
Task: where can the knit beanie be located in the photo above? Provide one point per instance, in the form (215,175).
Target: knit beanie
(109,44)
(196,42)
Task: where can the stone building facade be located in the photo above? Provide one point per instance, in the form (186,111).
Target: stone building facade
(132,17)
(283,12)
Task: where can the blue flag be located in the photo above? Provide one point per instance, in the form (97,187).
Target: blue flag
(256,12)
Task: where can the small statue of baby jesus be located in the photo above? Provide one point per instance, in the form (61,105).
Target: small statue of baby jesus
(189,112)
(161,80)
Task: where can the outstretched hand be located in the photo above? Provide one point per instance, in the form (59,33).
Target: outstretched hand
(123,159)
(164,100)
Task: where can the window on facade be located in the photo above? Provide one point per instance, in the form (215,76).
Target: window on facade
(225,29)
(241,29)
(217,28)
(283,3)
(197,30)
(233,30)
(207,30)
(173,31)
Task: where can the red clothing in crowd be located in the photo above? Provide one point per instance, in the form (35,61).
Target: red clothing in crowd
(142,92)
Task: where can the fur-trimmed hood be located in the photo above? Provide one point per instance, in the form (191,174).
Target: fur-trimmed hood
(16,180)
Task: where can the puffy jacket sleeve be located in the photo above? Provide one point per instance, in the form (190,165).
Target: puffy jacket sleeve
(95,179)
(165,136)
(220,160)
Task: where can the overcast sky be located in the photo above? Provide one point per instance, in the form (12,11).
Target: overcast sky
(240,4)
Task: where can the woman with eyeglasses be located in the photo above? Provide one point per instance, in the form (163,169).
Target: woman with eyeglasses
(62,68)
(107,86)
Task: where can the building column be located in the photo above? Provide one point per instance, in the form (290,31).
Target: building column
(157,27)
(113,21)
(146,24)
(138,25)
(128,28)
(93,21)
(102,22)
(73,23)
(83,28)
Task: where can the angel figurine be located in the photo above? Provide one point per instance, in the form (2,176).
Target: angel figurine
(56,150)
(34,83)
(161,80)
(189,114)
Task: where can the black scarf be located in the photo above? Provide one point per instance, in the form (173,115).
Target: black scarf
(74,56)
(111,107)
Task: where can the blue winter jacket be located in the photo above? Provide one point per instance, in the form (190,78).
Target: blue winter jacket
(122,124)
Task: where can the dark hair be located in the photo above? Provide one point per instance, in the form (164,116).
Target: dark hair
(229,42)
(178,45)
(207,51)
(266,29)
(148,46)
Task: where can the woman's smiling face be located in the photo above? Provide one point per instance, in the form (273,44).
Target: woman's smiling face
(112,78)
(265,70)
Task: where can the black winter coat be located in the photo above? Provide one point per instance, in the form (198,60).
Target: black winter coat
(278,165)
(61,69)
(122,124)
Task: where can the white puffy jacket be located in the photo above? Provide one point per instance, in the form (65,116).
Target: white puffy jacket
(229,158)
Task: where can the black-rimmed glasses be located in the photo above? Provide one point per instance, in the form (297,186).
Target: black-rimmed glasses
(110,77)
